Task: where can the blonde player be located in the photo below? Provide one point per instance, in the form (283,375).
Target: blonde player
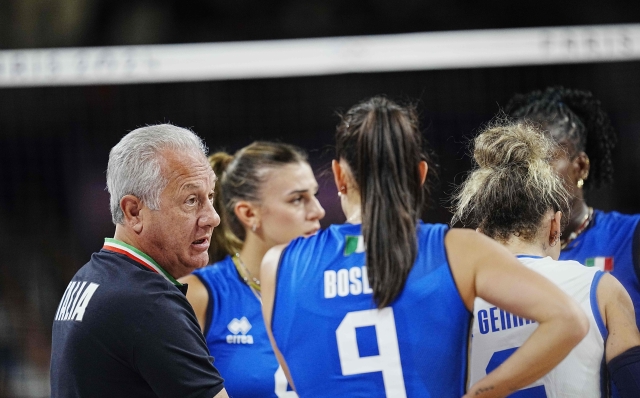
(515,197)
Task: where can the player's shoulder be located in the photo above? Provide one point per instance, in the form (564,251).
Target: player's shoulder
(569,266)
(430,231)
(220,279)
(218,271)
(332,236)
(615,217)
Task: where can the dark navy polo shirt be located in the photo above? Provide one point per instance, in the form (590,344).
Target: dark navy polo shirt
(125,330)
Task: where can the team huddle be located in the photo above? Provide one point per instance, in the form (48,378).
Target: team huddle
(223,258)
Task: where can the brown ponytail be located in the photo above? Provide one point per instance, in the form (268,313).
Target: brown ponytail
(381,142)
(224,240)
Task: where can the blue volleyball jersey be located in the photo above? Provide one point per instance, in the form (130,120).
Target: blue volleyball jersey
(335,341)
(608,245)
(237,338)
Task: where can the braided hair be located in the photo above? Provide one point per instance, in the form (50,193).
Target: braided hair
(574,117)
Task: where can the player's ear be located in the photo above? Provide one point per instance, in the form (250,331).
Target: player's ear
(341,175)
(555,228)
(581,166)
(338,176)
(423,168)
(131,207)
(248,214)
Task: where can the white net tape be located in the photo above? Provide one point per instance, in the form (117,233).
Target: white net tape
(324,56)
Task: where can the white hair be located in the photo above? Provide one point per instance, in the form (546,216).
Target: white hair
(134,166)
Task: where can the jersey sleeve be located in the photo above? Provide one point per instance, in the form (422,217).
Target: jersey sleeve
(170,352)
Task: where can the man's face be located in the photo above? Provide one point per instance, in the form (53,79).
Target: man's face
(178,235)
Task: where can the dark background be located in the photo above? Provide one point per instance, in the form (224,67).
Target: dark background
(54,141)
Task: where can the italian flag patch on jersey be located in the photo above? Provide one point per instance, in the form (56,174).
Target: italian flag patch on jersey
(353,244)
(602,263)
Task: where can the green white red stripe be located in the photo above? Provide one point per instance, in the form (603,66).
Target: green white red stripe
(117,246)
(602,263)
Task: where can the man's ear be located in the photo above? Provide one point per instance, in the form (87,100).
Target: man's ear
(132,209)
(248,214)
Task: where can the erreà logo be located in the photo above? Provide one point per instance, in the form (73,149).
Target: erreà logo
(239,328)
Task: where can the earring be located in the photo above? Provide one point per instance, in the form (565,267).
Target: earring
(254,227)
(580,183)
(342,191)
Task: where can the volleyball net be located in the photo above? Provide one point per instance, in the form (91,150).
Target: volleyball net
(321,56)
(62,109)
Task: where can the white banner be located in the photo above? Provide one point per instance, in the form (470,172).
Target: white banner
(323,56)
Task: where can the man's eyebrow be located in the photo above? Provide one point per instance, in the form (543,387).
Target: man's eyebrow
(190,186)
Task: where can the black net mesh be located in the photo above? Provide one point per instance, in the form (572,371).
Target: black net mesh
(54,145)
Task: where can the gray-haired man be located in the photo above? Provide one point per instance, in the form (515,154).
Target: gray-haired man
(124,327)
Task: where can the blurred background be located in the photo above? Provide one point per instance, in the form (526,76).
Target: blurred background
(54,141)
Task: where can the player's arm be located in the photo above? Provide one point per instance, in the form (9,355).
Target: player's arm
(622,351)
(495,275)
(617,310)
(268,274)
(198,297)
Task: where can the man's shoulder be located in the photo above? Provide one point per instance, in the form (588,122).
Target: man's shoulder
(125,287)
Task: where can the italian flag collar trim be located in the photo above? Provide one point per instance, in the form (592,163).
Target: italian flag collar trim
(117,246)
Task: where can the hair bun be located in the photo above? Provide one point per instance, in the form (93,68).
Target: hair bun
(219,162)
(507,145)
(513,185)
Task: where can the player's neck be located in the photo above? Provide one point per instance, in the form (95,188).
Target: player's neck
(579,210)
(519,246)
(252,253)
(354,216)
(352,207)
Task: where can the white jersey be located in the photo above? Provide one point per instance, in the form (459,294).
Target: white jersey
(497,334)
